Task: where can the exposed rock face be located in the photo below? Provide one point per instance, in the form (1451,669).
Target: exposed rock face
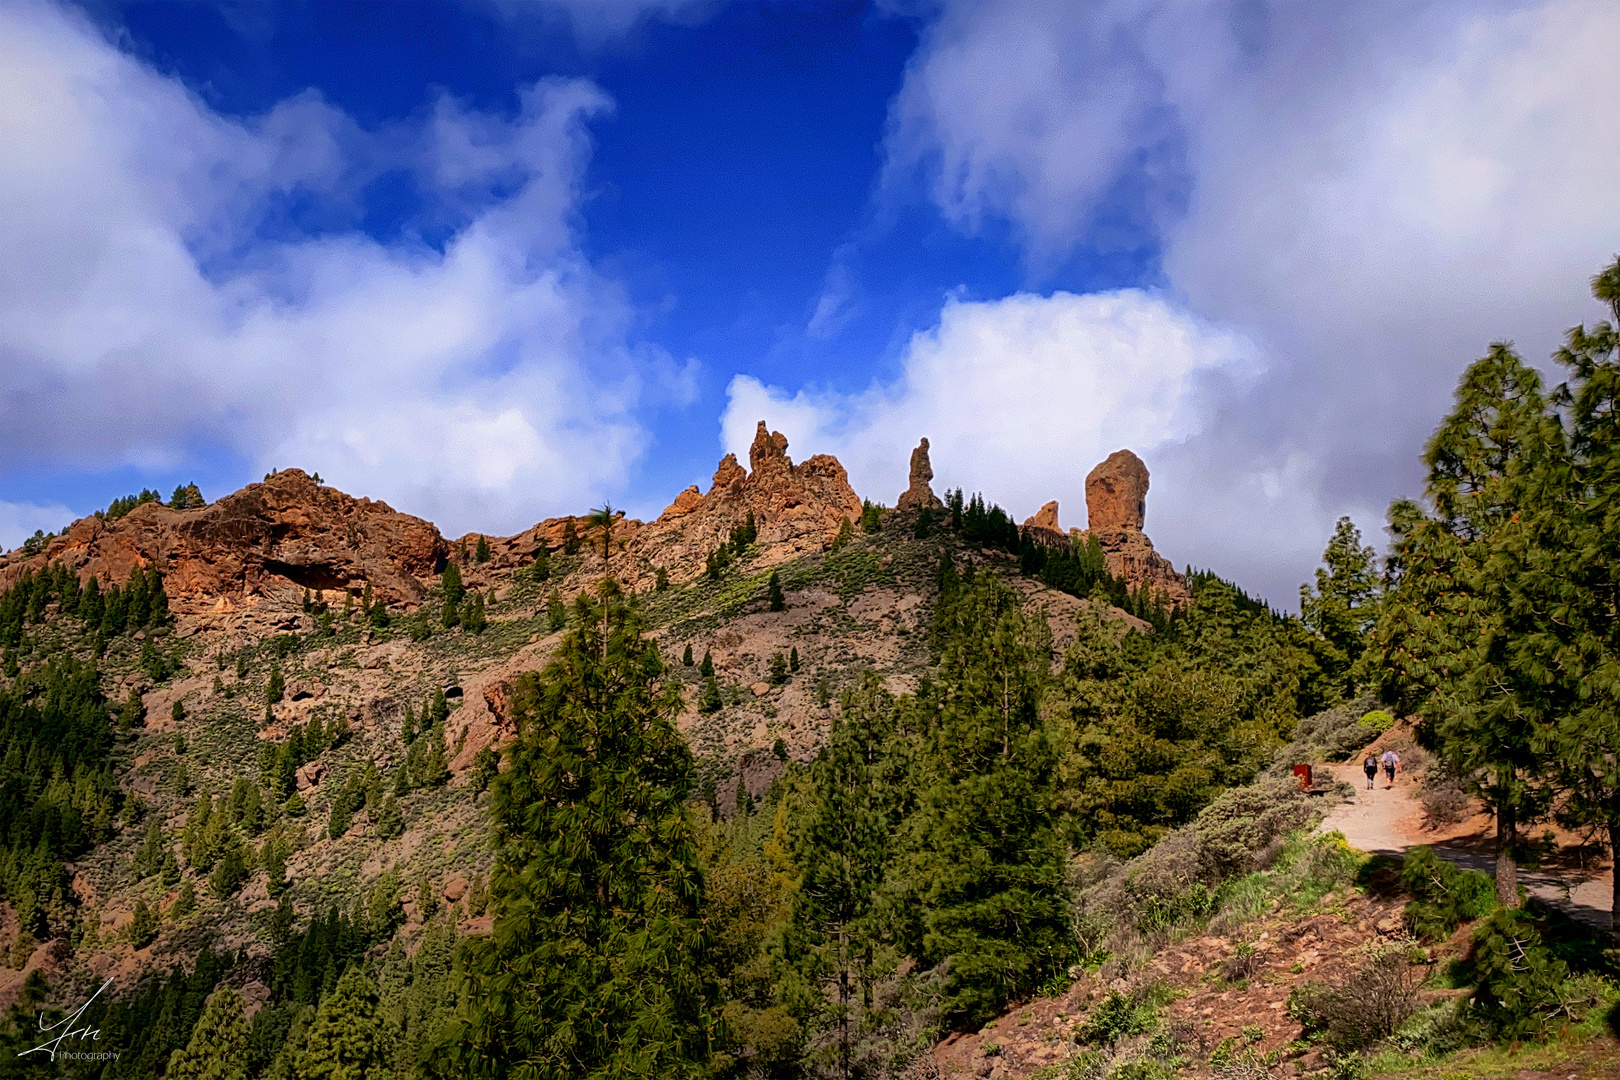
(1043,526)
(796,508)
(919,495)
(1116,506)
(1046,517)
(1131,556)
(1116,493)
(287,533)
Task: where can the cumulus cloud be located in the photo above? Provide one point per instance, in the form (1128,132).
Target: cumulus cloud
(1373,193)
(1018,397)
(151,311)
(19,521)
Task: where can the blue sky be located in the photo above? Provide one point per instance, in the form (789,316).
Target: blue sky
(501,260)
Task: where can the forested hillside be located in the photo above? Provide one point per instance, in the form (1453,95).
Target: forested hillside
(739,795)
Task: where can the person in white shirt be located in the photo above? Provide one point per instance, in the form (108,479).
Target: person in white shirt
(1392,762)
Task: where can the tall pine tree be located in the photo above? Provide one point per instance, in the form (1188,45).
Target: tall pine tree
(1449,639)
(593,967)
(983,864)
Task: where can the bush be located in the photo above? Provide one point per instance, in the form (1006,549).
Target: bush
(1119,1016)
(1445,800)
(1523,990)
(1242,965)
(1368,1005)
(1331,734)
(1379,720)
(1444,895)
(1242,829)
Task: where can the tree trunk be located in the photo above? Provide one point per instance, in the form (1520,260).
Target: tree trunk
(1507,871)
(1614,879)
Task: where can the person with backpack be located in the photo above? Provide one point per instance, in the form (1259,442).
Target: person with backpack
(1392,761)
(1371,767)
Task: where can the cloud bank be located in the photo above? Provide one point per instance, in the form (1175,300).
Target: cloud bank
(1018,397)
(1369,193)
(155,310)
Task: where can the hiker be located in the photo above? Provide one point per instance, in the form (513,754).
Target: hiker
(1392,761)
(1371,765)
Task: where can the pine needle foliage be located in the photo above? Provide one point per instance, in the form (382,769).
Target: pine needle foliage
(593,968)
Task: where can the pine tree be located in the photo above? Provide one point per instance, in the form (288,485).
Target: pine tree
(349,1038)
(846,533)
(1565,610)
(1343,608)
(133,714)
(389,822)
(143,925)
(218,1046)
(710,701)
(842,852)
(185,903)
(707,668)
(594,968)
(686,657)
(982,858)
(779,669)
(556,614)
(1447,644)
(450,582)
(570,538)
(793,659)
(276,688)
(661,580)
(540,569)
(481,552)
(773,592)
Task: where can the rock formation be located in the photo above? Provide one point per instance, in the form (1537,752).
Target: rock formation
(918,494)
(1116,493)
(285,534)
(1045,518)
(796,508)
(1116,506)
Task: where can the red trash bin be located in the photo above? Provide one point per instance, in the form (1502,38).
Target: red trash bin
(1304,774)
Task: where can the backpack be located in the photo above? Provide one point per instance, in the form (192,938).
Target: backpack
(1370,763)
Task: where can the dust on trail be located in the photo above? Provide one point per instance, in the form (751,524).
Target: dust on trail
(1389,820)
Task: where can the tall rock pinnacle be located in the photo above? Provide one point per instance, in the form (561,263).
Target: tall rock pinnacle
(1116,493)
(919,495)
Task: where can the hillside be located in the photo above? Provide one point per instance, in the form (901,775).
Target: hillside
(966,796)
(340,603)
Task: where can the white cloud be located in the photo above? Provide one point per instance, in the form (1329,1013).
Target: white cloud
(1018,397)
(1373,192)
(19,521)
(141,317)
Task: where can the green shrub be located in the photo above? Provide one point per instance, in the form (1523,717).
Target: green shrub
(1523,991)
(1379,720)
(1119,1016)
(1444,895)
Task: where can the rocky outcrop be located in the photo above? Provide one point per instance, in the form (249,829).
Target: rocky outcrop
(1116,507)
(796,509)
(1043,526)
(1116,493)
(285,534)
(919,495)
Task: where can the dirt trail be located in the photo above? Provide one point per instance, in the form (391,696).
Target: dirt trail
(1390,820)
